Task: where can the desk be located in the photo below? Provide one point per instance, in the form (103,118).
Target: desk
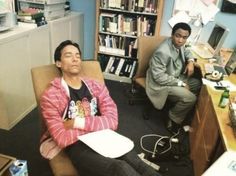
(211,134)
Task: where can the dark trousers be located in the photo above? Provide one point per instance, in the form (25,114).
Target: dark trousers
(90,163)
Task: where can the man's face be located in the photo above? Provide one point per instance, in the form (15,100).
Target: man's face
(70,62)
(180,37)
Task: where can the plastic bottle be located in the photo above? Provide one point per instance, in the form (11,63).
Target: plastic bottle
(224,99)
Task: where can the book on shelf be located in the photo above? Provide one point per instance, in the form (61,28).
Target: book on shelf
(112,44)
(29,16)
(120,23)
(119,67)
(145,26)
(122,70)
(114,65)
(148,6)
(37,22)
(120,26)
(104,21)
(109,64)
(112,27)
(32,17)
(128,68)
(103,60)
(127,43)
(133,69)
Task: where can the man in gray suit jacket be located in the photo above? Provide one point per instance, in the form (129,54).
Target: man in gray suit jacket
(169,76)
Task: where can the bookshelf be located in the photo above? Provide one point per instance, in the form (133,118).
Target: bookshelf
(119,23)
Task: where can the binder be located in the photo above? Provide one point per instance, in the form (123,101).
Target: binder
(132,69)
(119,67)
(109,64)
(114,65)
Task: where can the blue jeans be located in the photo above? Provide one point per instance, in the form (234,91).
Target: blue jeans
(90,163)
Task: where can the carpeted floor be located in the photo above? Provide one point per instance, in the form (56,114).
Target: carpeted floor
(22,140)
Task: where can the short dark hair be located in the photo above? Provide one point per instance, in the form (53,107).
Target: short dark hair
(183,26)
(57,53)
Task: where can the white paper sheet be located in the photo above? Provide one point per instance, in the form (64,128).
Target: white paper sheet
(225,165)
(225,83)
(183,5)
(207,9)
(208,2)
(108,143)
(209,13)
(181,16)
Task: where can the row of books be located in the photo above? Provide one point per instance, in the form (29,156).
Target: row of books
(124,46)
(118,66)
(32,17)
(121,24)
(148,6)
(52,10)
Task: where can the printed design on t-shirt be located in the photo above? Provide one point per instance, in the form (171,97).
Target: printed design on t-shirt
(82,108)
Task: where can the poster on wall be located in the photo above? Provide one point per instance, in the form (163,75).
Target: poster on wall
(195,9)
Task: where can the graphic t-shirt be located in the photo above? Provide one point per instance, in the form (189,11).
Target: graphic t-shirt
(82,103)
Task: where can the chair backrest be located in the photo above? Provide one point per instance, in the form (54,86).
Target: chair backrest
(146,47)
(43,75)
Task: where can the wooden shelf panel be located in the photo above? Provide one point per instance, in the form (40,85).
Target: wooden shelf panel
(113,77)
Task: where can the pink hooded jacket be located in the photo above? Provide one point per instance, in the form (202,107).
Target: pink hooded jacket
(53,106)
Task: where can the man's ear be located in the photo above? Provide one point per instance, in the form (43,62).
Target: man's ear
(58,64)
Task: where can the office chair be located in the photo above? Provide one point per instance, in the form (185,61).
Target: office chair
(146,47)
(41,77)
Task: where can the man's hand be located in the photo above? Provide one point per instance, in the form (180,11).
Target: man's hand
(189,70)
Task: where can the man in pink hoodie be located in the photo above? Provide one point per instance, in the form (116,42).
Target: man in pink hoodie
(73,106)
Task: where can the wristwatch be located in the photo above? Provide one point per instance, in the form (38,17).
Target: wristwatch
(181,84)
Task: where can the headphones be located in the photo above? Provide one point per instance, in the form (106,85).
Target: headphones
(214,76)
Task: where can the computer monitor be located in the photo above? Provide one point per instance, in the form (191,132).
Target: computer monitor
(217,38)
(212,46)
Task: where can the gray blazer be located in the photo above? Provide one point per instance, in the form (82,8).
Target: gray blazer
(161,73)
